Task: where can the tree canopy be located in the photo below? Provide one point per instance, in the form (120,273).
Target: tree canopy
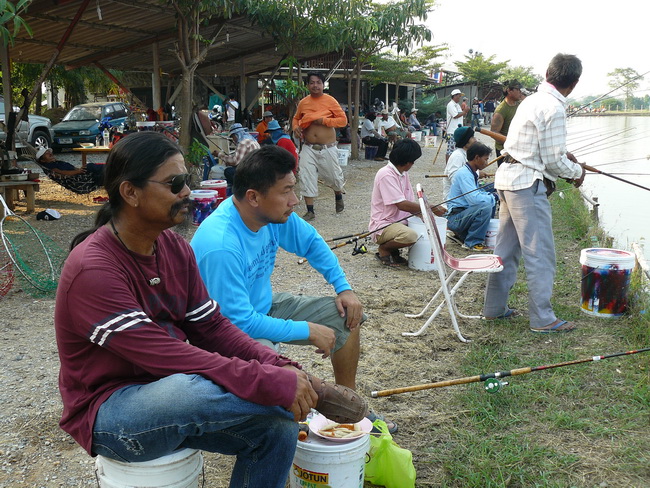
(480,69)
(628,81)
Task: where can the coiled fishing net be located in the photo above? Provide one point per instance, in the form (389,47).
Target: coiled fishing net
(29,258)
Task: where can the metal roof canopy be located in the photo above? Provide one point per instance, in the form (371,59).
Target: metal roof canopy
(123,35)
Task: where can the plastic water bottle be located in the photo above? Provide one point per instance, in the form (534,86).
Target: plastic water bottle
(106,136)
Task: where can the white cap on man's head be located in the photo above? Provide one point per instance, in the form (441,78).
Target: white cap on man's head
(41,151)
(455,91)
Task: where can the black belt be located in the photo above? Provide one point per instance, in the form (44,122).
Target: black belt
(320,147)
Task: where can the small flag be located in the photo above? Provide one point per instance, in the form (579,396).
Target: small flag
(437,77)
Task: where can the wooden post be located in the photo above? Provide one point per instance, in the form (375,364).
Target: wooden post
(155,78)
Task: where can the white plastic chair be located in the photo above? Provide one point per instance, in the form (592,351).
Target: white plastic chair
(476,263)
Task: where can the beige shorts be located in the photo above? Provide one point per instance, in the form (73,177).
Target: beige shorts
(399,233)
(323,164)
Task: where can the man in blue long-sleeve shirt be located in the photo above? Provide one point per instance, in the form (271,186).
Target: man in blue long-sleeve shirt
(469,215)
(236,248)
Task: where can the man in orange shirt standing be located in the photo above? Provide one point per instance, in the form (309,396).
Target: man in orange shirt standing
(317,117)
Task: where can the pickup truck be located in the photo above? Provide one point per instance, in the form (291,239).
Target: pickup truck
(38,132)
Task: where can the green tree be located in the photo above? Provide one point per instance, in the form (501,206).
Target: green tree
(628,80)
(523,74)
(390,67)
(10,20)
(368,28)
(428,58)
(480,70)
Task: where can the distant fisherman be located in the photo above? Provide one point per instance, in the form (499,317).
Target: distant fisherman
(536,156)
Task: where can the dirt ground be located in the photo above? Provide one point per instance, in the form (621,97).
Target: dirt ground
(34,452)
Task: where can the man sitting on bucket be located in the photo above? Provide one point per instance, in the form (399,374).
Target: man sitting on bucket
(392,202)
(148,363)
(471,208)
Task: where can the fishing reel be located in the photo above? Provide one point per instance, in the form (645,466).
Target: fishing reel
(359,248)
(494,385)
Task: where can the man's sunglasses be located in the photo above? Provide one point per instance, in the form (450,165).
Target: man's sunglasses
(177,183)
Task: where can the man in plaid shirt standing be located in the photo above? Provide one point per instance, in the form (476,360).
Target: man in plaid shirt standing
(536,158)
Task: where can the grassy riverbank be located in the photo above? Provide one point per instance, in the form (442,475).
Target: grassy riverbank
(586,425)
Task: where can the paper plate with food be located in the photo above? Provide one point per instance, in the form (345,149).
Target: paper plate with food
(333,431)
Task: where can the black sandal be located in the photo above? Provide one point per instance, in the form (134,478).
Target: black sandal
(386,260)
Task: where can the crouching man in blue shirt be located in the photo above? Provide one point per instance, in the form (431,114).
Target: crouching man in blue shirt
(469,215)
(236,248)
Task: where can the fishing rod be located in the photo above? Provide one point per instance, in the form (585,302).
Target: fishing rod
(501,138)
(629,174)
(355,237)
(438,152)
(492,380)
(603,96)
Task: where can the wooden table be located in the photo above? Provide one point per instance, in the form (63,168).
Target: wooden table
(7,189)
(90,150)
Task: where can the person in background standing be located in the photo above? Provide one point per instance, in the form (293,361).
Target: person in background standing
(505,112)
(231,106)
(488,111)
(317,117)
(455,114)
(477,113)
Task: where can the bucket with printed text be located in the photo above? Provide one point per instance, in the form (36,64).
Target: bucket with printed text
(416,136)
(321,463)
(344,155)
(220,186)
(421,255)
(180,469)
(491,234)
(605,281)
(203,202)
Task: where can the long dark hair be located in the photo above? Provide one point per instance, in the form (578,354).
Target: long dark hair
(134,158)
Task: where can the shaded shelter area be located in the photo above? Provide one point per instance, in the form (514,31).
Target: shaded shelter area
(143,37)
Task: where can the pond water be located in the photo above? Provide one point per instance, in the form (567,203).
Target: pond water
(619,145)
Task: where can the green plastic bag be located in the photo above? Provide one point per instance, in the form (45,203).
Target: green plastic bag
(389,465)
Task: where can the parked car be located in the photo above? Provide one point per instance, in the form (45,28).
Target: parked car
(81,124)
(38,132)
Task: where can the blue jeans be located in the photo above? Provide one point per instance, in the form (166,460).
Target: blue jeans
(471,224)
(144,422)
(476,120)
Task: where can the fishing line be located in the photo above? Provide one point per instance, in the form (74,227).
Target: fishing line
(609,146)
(603,96)
(600,141)
(623,161)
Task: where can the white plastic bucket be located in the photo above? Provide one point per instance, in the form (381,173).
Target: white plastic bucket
(203,203)
(491,234)
(145,125)
(605,281)
(429,141)
(320,463)
(420,254)
(417,135)
(344,155)
(180,469)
